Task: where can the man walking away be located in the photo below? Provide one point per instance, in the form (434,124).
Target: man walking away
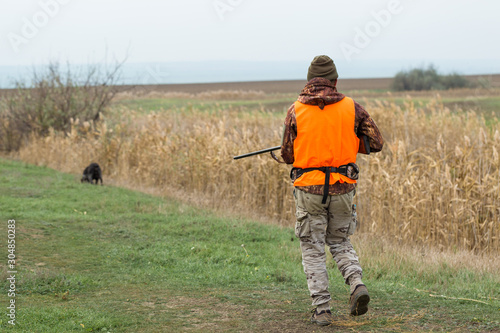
(324,131)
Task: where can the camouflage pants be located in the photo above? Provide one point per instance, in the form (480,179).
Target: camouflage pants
(319,224)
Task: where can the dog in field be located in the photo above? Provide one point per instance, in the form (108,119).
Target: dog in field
(91,173)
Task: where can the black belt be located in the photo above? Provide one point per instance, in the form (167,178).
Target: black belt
(328,170)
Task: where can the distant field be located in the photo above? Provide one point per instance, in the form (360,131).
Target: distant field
(290,86)
(278,95)
(271,87)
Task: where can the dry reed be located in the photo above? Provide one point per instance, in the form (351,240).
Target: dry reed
(436,183)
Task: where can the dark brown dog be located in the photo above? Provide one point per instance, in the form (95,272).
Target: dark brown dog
(91,173)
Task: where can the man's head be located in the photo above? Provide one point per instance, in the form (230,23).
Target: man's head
(323,66)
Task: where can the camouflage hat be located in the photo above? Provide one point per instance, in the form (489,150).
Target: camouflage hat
(322,66)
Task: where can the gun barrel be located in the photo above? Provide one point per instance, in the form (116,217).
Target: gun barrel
(257,152)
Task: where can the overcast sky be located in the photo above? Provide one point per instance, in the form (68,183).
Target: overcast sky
(425,31)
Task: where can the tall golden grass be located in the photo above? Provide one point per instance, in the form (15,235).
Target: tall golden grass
(436,182)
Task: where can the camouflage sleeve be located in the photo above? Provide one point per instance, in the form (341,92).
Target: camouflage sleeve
(289,136)
(365,125)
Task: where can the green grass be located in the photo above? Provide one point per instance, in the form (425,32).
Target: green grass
(277,103)
(105,259)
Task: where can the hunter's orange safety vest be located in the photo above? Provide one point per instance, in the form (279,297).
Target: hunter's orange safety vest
(325,138)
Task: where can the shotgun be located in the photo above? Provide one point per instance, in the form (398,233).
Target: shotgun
(257,152)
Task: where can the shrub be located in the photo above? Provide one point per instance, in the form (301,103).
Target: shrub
(54,99)
(428,79)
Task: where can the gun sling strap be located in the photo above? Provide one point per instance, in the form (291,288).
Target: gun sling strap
(343,170)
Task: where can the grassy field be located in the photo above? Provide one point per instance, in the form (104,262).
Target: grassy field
(106,259)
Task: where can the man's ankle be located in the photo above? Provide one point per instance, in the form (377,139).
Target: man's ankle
(323,307)
(354,281)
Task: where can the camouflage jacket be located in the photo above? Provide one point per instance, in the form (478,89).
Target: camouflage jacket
(321,92)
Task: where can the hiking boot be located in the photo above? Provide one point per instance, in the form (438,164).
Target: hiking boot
(359,300)
(323,318)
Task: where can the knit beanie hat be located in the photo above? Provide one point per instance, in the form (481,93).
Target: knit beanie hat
(322,66)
